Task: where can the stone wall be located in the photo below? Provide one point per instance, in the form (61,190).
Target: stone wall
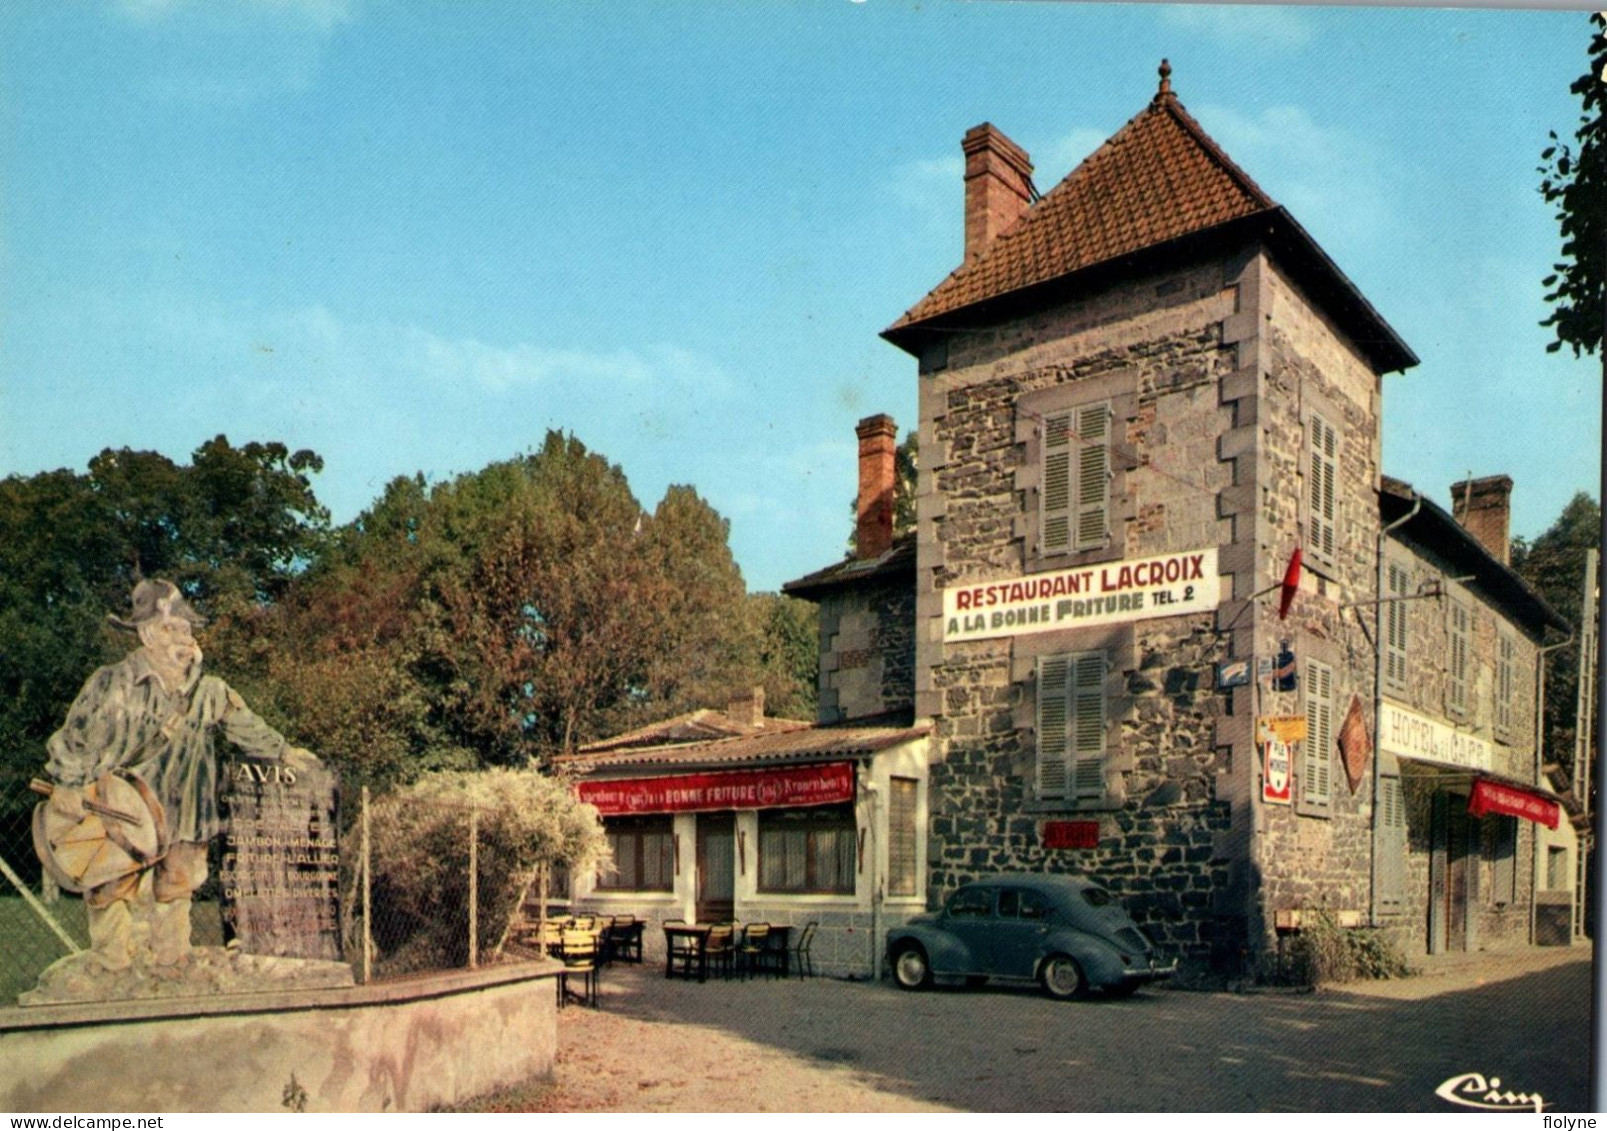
(867,650)
(1154,347)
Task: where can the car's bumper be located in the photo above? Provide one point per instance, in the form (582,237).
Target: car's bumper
(1153,969)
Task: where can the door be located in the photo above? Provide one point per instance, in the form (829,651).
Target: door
(1448,874)
(1020,932)
(716,875)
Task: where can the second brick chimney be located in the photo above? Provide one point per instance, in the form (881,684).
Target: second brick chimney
(1484,508)
(998,186)
(878,448)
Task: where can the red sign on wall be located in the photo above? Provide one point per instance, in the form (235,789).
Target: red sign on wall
(782,788)
(1071,834)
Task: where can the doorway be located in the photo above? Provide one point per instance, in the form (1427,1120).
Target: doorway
(1450,874)
(716,874)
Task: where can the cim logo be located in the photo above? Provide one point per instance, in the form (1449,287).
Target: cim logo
(1471,1089)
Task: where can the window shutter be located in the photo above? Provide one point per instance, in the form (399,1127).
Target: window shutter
(1093,476)
(1503,684)
(1317,784)
(1052,712)
(1392,846)
(1089,726)
(1395,630)
(1324,485)
(1055,493)
(1506,860)
(1456,682)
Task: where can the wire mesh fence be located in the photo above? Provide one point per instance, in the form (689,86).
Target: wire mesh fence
(411,887)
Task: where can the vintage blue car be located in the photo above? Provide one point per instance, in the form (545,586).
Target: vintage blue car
(1064,932)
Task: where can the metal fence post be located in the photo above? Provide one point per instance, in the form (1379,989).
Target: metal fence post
(368,907)
(474,888)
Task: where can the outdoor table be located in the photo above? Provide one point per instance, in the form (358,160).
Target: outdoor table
(698,934)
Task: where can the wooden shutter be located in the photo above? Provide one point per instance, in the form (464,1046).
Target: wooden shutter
(1093,476)
(1088,726)
(1505,650)
(1053,709)
(1392,845)
(901,834)
(1456,688)
(1324,485)
(1506,860)
(1071,727)
(1395,613)
(1317,782)
(1055,494)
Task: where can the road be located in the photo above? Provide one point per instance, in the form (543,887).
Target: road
(828,1046)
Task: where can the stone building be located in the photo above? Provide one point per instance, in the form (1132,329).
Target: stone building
(1141,395)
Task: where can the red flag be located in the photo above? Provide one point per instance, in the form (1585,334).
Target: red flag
(1291,584)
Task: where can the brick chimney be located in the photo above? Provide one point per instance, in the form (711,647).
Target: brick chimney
(998,186)
(749,710)
(1484,508)
(878,445)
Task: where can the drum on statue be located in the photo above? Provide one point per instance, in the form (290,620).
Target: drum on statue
(123,830)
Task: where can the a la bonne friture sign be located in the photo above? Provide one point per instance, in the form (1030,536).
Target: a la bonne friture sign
(1406,734)
(1110,593)
(778,788)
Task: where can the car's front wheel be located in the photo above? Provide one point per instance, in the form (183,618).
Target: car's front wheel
(1062,978)
(911,971)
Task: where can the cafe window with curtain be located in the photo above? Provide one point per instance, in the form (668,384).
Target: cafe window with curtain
(808,851)
(644,855)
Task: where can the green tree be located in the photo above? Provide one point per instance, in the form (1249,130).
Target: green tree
(1574,180)
(788,632)
(232,527)
(1555,565)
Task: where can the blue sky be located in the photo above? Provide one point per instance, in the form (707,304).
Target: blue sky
(415,236)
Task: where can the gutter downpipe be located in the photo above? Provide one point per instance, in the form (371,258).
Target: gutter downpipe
(1373,915)
(1539,772)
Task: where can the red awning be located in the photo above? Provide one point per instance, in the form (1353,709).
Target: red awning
(1493,797)
(780,788)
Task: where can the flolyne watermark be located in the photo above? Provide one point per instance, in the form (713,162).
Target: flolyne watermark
(1471,1089)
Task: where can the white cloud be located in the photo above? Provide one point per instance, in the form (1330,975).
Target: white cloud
(1064,154)
(1260,27)
(931,188)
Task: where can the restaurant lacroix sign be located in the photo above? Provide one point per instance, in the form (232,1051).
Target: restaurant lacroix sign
(781,788)
(1160,586)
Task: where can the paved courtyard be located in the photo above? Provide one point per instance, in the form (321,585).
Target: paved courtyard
(825,1045)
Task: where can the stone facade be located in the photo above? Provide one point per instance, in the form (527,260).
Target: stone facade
(867,650)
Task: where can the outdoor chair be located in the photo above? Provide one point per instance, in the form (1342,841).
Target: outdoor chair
(579,952)
(721,949)
(625,939)
(801,957)
(757,951)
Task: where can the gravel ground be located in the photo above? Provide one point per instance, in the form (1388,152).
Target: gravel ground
(825,1046)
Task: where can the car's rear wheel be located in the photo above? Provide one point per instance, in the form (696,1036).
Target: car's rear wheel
(911,970)
(1062,978)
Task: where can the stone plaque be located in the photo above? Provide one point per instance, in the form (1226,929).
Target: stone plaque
(280,868)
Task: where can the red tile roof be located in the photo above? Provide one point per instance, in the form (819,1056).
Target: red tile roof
(691,727)
(810,744)
(1157,179)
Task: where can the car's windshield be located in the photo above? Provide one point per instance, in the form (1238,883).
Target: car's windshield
(1096,897)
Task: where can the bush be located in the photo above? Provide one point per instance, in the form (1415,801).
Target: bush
(1324,952)
(420,845)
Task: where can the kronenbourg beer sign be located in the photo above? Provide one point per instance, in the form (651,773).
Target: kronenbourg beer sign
(1110,593)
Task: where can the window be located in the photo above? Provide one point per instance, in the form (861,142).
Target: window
(1506,649)
(1316,780)
(1323,488)
(1071,727)
(1395,613)
(971,903)
(1556,868)
(1391,845)
(902,831)
(1017,904)
(807,850)
(644,854)
(1456,676)
(1074,501)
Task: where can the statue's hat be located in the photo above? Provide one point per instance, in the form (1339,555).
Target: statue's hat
(155,598)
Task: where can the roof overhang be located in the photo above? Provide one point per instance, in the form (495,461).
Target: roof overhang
(1283,237)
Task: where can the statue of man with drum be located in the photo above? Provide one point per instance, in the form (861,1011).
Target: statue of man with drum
(134,780)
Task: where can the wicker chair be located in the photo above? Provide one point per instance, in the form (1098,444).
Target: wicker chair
(580,953)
